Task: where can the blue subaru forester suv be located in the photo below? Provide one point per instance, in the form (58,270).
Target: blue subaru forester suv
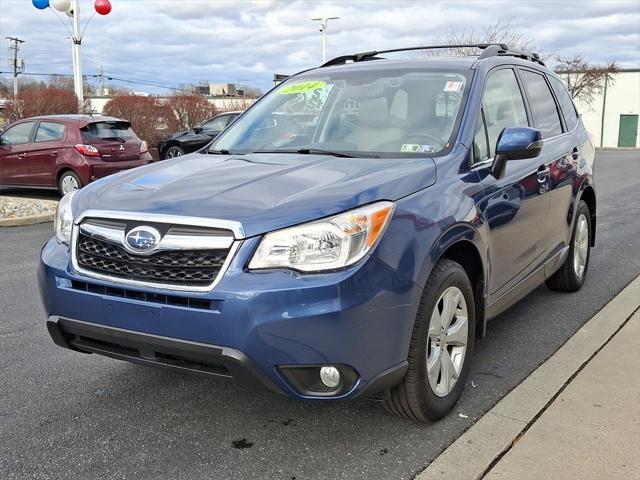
(350,234)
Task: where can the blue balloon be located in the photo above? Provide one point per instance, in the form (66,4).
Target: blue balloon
(40,4)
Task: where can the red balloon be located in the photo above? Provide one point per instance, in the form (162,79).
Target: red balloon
(103,7)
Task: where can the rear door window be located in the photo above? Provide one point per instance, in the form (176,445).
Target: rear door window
(503,105)
(566,104)
(543,106)
(49,132)
(18,134)
(107,131)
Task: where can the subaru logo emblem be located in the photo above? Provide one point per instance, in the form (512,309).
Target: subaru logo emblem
(142,239)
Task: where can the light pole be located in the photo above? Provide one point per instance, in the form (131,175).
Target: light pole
(72,9)
(77,62)
(324,22)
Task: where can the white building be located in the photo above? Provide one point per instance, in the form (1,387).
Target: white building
(617,109)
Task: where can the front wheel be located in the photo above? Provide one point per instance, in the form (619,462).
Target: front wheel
(441,347)
(573,272)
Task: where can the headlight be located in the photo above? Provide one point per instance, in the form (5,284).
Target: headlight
(328,244)
(64,219)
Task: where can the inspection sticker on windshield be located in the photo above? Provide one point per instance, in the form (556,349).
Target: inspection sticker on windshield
(302,87)
(452,86)
(415,148)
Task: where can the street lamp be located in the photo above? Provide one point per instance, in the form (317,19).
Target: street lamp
(324,22)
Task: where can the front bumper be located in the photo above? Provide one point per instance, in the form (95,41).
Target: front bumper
(248,327)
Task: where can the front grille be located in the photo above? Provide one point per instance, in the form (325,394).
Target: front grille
(197,268)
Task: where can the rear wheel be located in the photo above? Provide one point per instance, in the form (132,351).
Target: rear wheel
(174,151)
(441,347)
(69,182)
(573,272)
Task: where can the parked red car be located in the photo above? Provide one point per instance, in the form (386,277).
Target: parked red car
(67,151)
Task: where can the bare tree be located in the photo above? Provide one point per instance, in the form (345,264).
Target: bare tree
(186,111)
(34,100)
(501,31)
(584,80)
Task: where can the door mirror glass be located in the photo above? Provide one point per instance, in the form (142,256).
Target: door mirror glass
(519,143)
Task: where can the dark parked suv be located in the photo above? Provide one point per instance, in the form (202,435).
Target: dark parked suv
(350,234)
(67,151)
(181,143)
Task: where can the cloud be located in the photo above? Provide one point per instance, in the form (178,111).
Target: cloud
(185,41)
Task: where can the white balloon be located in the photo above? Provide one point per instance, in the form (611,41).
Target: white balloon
(69,12)
(61,5)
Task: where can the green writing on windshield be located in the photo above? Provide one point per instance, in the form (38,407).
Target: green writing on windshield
(302,87)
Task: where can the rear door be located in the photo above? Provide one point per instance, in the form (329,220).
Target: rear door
(14,145)
(558,159)
(45,149)
(115,140)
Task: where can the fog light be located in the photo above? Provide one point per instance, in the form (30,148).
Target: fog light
(330,376)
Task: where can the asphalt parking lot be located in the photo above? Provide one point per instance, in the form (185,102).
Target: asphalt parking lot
(68,415)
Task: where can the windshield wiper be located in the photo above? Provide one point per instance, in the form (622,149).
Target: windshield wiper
(222,151)
(120,139)
(313,151)
(309,151)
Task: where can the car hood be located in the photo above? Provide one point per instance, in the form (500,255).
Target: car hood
(263,192)
(174,136)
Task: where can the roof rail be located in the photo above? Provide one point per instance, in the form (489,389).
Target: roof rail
(488,50)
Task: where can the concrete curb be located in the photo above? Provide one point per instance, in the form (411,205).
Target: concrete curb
(473,453)
(29,220)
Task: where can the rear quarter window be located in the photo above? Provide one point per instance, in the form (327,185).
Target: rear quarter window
(107,131)
(566,104)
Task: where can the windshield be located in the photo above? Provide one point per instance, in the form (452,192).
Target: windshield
(361,113)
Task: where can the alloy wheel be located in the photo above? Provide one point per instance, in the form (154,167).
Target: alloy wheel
(69,184)
(448,336)
(581,246)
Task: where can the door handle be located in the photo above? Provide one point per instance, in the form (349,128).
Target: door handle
(54,153)
(22,155)
(543,173)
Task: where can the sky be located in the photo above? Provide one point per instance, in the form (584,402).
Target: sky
(174,42)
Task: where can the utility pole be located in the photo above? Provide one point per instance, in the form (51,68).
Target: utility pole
(16,68)
(77,64)
(324,23)
(101,80)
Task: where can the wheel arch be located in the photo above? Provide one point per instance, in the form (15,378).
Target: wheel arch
(463,244)
(589,196)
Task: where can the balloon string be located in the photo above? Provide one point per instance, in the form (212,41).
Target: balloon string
(56,15)
(86,24)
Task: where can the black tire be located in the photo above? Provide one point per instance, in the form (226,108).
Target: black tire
(68,176)
(414,397)
(173,151)
(567,279)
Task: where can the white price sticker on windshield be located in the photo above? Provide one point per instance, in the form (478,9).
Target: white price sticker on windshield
(452,86)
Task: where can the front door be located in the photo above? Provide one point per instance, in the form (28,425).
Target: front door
(628,131)
(515,207)
(14,145)
(44,151)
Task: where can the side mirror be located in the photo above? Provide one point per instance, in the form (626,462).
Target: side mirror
(516,144)
(197,129)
